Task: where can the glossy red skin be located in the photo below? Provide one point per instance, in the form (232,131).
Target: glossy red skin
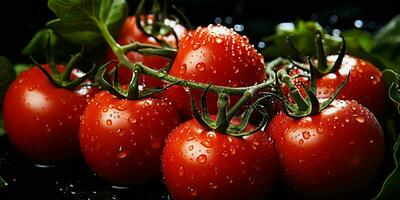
(42,120)
(217,55)
(122,140)
(365,85)
(202,164)
(331,155)
(131,33)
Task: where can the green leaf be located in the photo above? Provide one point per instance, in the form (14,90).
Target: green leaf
(77,20)
(2,182)
(390,188)
(302,35)
(386,45)
(7,75)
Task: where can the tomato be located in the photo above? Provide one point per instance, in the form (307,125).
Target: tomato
(122,140)
(201,164)
(364,78)
(42,120)
(131,33)
(334,154)
(217,55)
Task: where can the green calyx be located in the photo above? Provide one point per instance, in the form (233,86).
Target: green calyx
(132,91)
(63,79)
(322,67)
(222,123)
(304,105)
(156,27)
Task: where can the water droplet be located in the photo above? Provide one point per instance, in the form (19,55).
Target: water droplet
(374,79)
(301,141)
(132,120)
(182,69)
(213,186)
(191,147)
(190,138)
(347,120)
(192,191)
(201,67)
(320,130)
(109,122)
(201,158)
(219,40)
(236,69)
(122,154)
(359,118)
(306,135)
(211,135)
(232,150)
(196,46)
(206,144)
(48,130)
(121,107)
(31,88)
(105,109)
(120,132)
(371,141)
(181,171)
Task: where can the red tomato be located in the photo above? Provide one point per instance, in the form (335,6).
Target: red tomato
(217,55)
(122,140)
(365,84)
(334,154)
(131,33)
(42,120)
(364,78)
(202,164)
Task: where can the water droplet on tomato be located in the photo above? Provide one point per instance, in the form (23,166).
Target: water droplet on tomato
(190,138)
(196,46)
(182,69)
(219,40)
(201,66)
(121,107)
(108,122)
(320,130)
(120,132)
(192,191)
(359,119)
(201,158)
(374,79)
(105,109)
(132,120)
(122,154)
(181,171)
(301,141)
(206,144)
(48,130)
(371,141)
(213,185)
(232,150)
(306,135)
(191,147)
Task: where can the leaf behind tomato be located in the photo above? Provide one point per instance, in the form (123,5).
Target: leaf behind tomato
(7,75)
(2,182)
(386,44)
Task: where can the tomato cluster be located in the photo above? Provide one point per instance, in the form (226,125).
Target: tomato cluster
(336,152)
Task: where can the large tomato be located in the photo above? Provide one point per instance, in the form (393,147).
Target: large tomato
(122,140)
(131,33)
(201,164)
(334,154)
(217,55)
(42,120)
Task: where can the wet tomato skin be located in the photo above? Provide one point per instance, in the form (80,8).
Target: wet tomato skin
(334,154)
(131,33)
(217,55)
(42,120)
(364,78)
(122,140)
(202,164)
